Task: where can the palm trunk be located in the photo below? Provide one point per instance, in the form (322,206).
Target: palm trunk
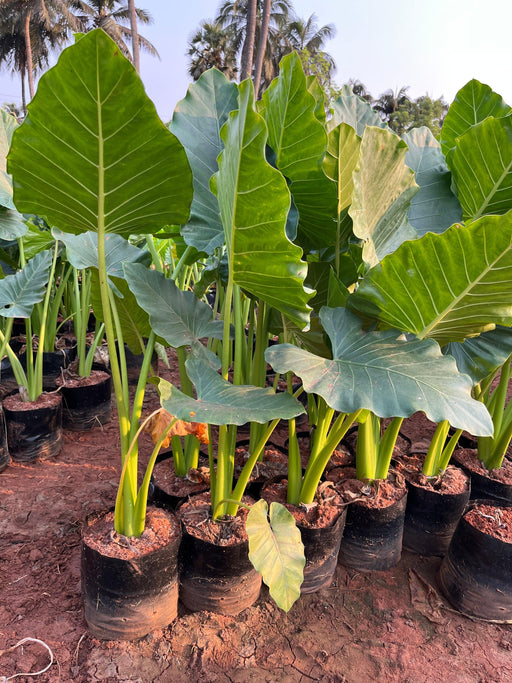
(23,96)
(135,35)
(262,46)
(248,49)
(28,47)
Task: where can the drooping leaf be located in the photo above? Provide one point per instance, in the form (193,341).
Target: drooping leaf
(343,148)
(351,109)
(196,122)
(472,104)
(177,316)
(448,286)
(479,356)
(106,161)
(481,164)
(383,189)
(299,141)
(434,207)
(82,251)
(20,291)
(276,551)
(220,403)
(384,373)
(254,201)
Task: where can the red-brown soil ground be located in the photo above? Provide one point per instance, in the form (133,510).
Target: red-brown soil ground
(392,627)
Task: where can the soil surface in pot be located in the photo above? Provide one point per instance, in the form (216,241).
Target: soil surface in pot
(388,626)
(73,381)
(172,484)
(102,537)
(196,516)
(15,402)
(379,494)
(453,480)
(323,512)
(492,520)
(468,458)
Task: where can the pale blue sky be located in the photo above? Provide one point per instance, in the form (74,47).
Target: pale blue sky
(435,46)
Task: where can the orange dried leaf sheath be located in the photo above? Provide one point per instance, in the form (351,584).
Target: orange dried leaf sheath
(159,422)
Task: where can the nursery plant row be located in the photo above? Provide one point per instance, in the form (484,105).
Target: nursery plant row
(370,274)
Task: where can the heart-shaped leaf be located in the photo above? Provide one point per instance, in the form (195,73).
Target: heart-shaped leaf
(479,356)
(276,551)
(448,286)
(384,373)
(221,403)
(481,164)
(352,109)
(20,291)
(196,122)
(472,104)
(299,141)
(383,189)
(106,162)
(261,258)
(82,251)
(434,207)
(177,316)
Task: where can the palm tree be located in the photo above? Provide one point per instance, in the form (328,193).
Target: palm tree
(234,15)
(135,34)
(113,16)
(212,46)
(250,35)
(389,102)
(304,36)
(360,89)
(262,44)
(29,30)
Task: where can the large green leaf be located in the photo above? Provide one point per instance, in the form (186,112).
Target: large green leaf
(177,316)
(479,356)
(20,291)
(448,286)
(254,201)
(82,251)
(106,161)
(7,126)
(221,403)
(343,148)
(481,164)
(299,141)
(383,189)
(472,104)
(196,122)
(276,551)
(384,373)
(434,207)
(352,109)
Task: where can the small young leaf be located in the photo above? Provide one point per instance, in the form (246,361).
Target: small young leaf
(276,551)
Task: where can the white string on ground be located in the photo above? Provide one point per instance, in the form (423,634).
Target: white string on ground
(4,679)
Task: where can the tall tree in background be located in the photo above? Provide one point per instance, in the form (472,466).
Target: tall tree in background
(389,102)
(29,31)
(135,34)
(44,25)
(262,44)
(212,46)
(250,36)
(113,16)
